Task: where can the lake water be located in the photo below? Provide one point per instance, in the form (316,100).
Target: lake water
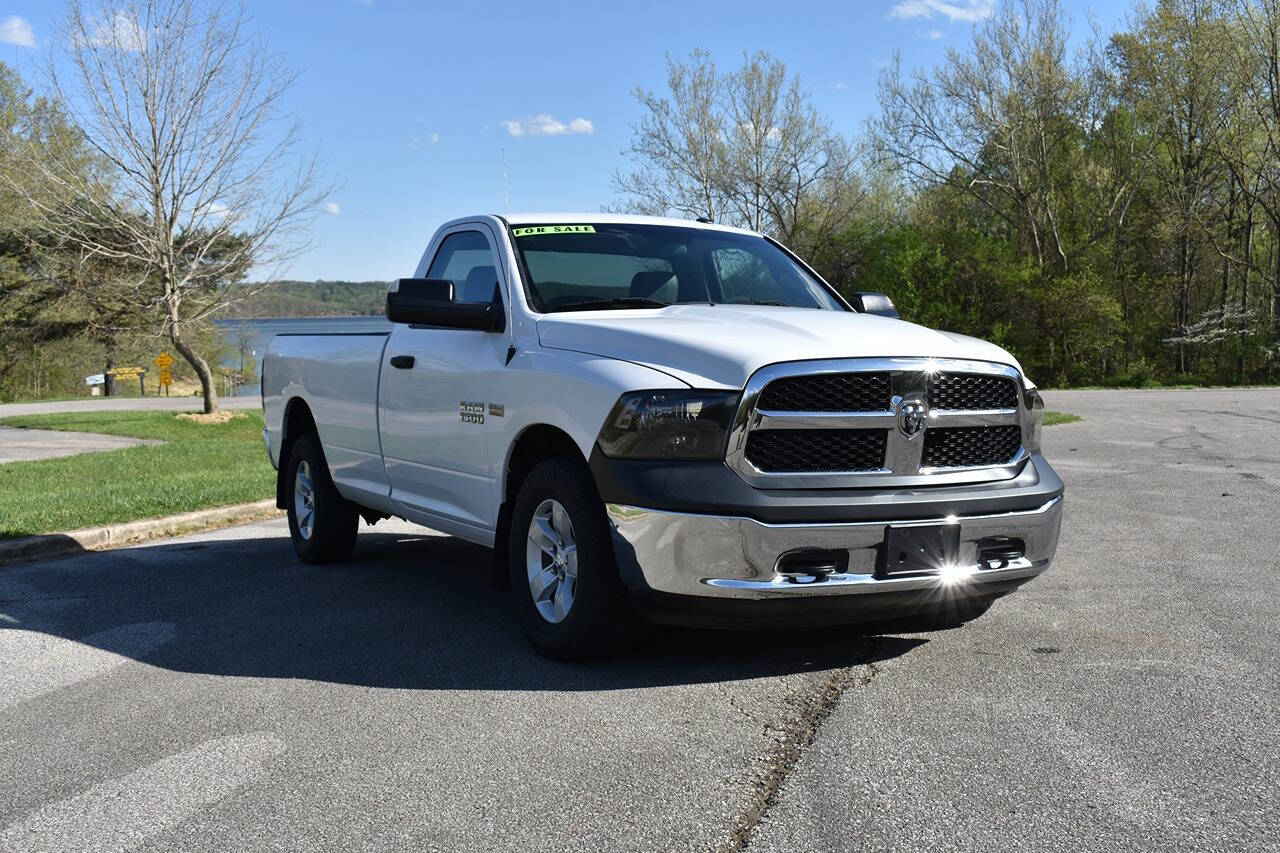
(258,332)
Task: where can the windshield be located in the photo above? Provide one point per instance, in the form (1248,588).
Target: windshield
(590,266)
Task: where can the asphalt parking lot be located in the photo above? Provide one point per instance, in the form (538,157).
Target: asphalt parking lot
(210,691)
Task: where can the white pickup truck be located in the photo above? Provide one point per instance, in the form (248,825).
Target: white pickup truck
(668,419)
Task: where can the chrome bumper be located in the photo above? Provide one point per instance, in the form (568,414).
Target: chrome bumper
(732,557)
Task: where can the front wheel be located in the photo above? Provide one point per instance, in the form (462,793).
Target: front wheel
(564,577)
(322,523)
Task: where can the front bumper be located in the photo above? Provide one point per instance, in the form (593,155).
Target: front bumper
(729,557)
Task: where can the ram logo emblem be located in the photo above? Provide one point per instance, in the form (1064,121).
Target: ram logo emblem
(912,413)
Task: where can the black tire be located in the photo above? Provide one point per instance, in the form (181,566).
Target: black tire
(329,534)
(600,619)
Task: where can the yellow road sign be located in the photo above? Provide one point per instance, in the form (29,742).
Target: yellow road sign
(163,361)
(166,378)
(126,372)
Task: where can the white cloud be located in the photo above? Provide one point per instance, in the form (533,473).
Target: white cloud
(121,32)
(416,141)
(332,208)
(931,35)
(17,31)
(548,125)
(841,86)
(968,11)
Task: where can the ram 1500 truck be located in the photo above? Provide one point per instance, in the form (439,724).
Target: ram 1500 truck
(672,419)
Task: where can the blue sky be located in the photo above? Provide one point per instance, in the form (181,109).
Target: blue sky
(409,105)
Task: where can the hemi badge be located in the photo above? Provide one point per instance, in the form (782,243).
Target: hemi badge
(496,410)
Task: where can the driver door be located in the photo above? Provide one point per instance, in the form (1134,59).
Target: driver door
(433,396)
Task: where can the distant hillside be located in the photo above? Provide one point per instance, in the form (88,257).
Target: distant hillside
(311,299)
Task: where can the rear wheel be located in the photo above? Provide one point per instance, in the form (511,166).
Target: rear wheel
(564,577)
(322,523)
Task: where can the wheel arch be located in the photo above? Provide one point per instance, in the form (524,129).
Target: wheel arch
(533,444)
(297,421)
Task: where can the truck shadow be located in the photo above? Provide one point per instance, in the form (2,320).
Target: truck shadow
(409,611)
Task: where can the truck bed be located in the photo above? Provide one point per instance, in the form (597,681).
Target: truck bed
(336,374)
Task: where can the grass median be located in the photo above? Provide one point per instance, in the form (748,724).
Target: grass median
(1055,418)
(199,466)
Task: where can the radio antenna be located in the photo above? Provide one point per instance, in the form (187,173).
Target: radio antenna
(506,200)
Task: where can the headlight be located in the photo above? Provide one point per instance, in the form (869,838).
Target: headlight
(1035,406)
(669,425)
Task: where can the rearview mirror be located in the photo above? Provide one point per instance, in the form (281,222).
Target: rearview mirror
(429,302)
(871,302)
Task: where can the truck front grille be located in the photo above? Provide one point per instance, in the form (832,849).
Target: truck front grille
(830,392)
(970,447)
(808,450)
(879,422)
(968,391)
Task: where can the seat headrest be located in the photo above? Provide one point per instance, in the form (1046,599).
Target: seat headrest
(479,286)
(646,284)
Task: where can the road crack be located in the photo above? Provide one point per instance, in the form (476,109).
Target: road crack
(809,706)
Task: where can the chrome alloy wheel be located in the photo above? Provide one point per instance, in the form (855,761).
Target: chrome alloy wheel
(552,561)
(304,500)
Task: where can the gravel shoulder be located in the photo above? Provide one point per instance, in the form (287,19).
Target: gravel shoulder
(21,445)
(124,404)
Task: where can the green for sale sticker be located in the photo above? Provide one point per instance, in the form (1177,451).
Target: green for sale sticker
(553,229)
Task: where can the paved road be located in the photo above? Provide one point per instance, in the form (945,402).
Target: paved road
(115,404)
(17,445)
(211,692)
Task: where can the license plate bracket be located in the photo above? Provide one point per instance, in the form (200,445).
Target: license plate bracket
(919,549)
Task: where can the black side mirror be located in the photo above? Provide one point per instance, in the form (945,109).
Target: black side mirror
(429,302)
(870,302)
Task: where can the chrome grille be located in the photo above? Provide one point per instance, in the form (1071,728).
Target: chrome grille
(879,422)
(969,447)
(833,392)
(817,449)
(967,391)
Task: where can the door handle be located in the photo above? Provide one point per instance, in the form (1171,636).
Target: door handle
(404,362)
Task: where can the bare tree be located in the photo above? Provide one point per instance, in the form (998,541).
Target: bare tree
(678,145)
(201,178)
(1002,124)
(745,147)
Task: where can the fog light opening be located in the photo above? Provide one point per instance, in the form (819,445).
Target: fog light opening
(812,565)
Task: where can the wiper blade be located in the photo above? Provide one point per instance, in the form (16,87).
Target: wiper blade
(619,302)
(762,302)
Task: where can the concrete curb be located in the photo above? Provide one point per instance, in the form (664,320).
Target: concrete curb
(45,546)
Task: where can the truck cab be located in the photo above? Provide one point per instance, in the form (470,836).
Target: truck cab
(652,418)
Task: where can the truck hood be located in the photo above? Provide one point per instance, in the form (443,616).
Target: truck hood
(720,346)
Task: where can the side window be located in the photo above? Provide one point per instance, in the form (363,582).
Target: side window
(464,259)
(745,278)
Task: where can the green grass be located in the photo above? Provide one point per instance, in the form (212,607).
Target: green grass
(1055,418)
(199,466)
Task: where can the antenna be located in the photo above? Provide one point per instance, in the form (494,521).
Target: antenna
(506,200)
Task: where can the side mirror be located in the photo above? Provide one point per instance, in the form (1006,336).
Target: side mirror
(429,302)
(870,302)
